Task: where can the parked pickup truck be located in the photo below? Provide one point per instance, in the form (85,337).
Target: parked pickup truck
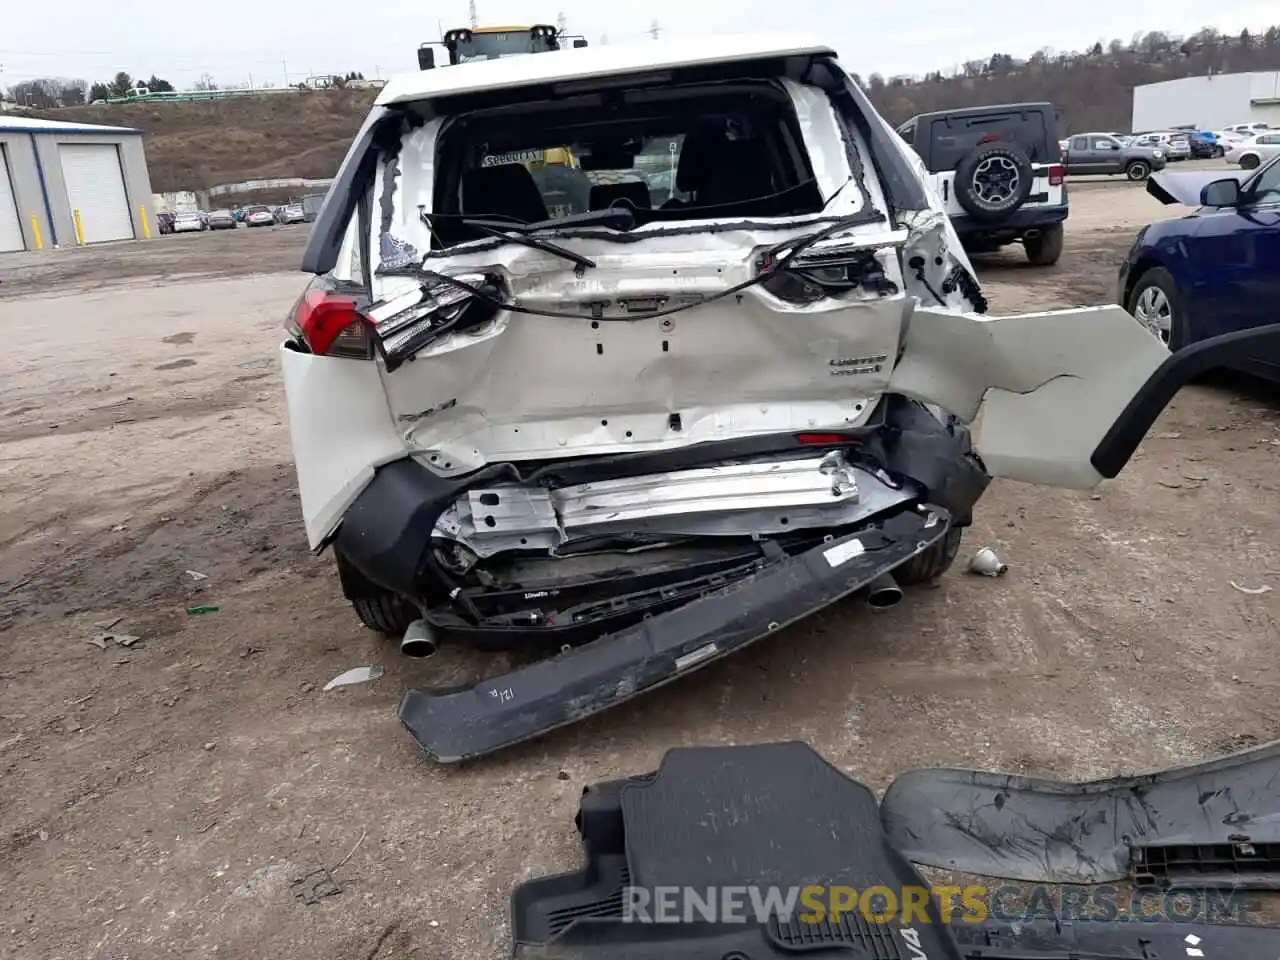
(1101,153)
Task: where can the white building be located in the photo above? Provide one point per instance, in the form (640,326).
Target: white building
(1209,103)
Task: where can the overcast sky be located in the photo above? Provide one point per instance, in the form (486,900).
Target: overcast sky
(234,40)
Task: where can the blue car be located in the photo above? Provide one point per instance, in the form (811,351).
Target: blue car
(1205,145)
(1214,271)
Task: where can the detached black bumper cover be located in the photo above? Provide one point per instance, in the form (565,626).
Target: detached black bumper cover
(501,711)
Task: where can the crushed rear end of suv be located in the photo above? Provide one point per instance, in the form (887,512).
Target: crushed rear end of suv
(625,431)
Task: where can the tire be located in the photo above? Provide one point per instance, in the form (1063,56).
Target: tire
(932,563)
(1044,249)
(1249,162)
(1218,153)
(1137,170)
(993,181)
(381,610)
(1145,307)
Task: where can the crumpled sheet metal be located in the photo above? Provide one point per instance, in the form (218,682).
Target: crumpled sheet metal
(1053,831)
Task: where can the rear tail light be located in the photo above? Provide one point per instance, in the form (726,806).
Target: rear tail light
(822,439)
(408,323)
(331,325)
(825,270)
(1056,173)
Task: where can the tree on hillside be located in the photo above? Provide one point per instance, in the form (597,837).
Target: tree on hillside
(157,85)
(121,85)
(40,94)
(46,92)
(72,93)
(99,91)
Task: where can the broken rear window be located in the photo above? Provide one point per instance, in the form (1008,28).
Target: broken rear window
(668,154)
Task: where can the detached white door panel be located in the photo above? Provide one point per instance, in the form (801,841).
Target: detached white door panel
(95,187)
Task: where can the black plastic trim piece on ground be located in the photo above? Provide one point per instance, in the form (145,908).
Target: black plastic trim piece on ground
(1212,824)
(777,817)
(1229,350)
(501,711)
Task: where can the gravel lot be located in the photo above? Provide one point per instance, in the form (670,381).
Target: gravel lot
(158,800)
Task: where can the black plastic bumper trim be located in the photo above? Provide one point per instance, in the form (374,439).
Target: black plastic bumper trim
(501,711)
(1024,218)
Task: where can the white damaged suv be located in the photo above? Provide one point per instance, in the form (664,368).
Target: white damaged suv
(630,356)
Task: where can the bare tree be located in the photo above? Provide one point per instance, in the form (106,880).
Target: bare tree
(655,31)
(47,92)
(562,23)
(205,82)
(72,93)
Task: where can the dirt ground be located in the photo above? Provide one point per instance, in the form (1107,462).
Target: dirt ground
(159,800)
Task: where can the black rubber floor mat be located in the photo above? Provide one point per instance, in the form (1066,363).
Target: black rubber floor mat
(1213,824)
(729,815)
(763,817)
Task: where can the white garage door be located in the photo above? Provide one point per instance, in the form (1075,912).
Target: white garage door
(10,226)
(95,187)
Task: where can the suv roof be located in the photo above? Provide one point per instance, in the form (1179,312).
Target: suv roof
(587,63)
(988,108)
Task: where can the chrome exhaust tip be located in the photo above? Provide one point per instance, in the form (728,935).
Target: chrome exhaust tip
(883,592)
(418,641)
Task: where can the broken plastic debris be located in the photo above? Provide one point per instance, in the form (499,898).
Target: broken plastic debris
(355,675)
(197,575)
(125,639)
(987,563)
(100,641)
(201,608)
(1252,591)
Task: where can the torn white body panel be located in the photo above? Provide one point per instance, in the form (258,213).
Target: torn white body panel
(532,387)
(340,431)
(1048,385)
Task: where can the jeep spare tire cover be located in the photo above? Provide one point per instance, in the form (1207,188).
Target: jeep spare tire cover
(994,180)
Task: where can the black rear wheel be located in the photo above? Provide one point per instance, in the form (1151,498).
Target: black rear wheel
(378,609)
(932,563)
(1154,302)
(1044,249)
